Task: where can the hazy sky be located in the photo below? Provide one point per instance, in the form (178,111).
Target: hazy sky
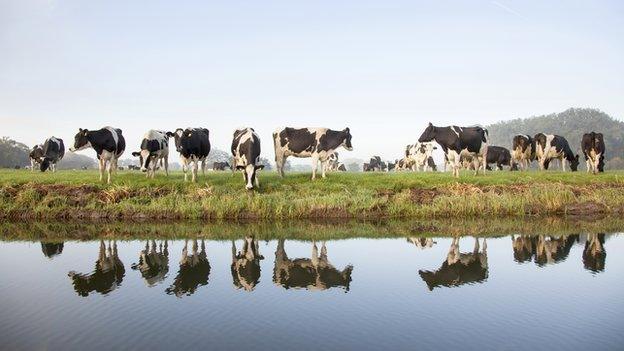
(383,68)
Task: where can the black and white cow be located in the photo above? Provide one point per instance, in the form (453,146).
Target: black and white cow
(245,265)
(35,156)
(221,166)
(459,141)
(341,167)
(53,152)
(403,164)
(523,150)
(501,157)
(420,154)
(549,147)
(593,147)
(193,273)
(375,164)
(246,152)
(154,149)
(332,161)
(317,143)
(108,143)
(193,144)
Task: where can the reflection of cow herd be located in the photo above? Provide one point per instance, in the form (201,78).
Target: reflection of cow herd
(464,147)
(315,272)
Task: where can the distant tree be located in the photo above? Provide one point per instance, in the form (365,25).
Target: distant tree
(217,155)
(571,124)
(13,153)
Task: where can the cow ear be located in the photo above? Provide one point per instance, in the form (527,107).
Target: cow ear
(347,130)
(430,124)
(80,130)
(170,134)
(136,153)
(259,167)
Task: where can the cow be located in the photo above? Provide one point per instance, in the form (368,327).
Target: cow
(154,149)
(341,167)
(194,271)
(594,254)
(420,153)
(457,141)
(193,144)
(317,143)
(390,166)
(153,263)
(422,242)
(246,152)
(245,266)
(375,165)
(35,156)
(107,276)
(405,163)
(332,161)
(50,249)
(134,168)
(108,143)
(501,157)
(593,147)
(221,166)
(549,147)
(53,152)
(523,150)
(459,268)
(315,273)
(524,247)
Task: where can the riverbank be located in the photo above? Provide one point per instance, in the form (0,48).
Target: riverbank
(221,196)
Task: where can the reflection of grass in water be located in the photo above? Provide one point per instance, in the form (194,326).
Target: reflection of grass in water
(78,194)
(305,230)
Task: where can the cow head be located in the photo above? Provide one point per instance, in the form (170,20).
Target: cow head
(347,139)
(81,140)
(177,137)
(574,163)
(144,158)
(45,164)
(250,174)
(429,134)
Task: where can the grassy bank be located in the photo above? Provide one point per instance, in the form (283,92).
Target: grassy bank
(79,195)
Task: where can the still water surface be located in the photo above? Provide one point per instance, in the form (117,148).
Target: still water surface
(520,292)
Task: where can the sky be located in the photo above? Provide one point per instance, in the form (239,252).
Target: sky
(382,68)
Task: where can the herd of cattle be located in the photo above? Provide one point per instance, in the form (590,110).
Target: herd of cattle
(315,272)
(464,147)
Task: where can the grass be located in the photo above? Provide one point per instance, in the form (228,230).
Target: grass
(221,195)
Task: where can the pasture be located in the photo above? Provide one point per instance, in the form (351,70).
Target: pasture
(221,195)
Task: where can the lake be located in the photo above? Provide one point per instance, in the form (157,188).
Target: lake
(309,291)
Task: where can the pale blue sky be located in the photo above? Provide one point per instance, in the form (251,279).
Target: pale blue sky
(383,68)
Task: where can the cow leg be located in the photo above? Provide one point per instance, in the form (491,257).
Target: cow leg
(257,180)
(596,162)
(101,165)
(166,161)
(563,164)
(280,159)
(194,170)
(476,164)
(323,168)
(589,165)
(109,169)
(315,160)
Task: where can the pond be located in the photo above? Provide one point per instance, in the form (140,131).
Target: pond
(504,291)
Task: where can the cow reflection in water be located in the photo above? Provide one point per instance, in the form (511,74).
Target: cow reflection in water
(553,250)
(153,262)
(315,273)
(51,249)
(107,276)
(422,242)
(523,248)
(193,273)
(459,268)
(246,265)
(594,254)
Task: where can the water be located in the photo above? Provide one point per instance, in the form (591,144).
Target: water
(520,292)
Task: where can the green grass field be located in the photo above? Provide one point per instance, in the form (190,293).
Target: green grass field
(221,195)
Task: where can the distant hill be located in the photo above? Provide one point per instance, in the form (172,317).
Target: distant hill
(571,124)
